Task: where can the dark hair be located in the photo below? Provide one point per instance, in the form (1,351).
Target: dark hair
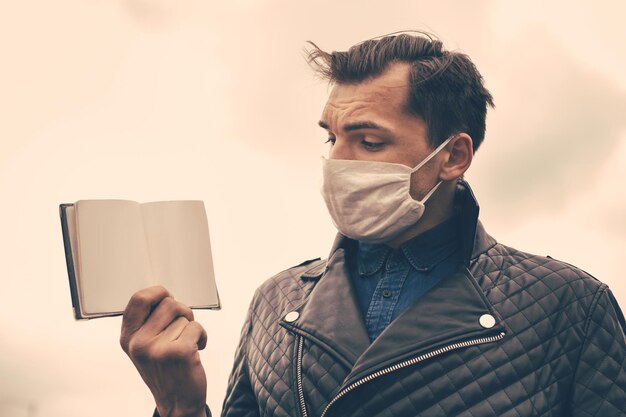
(446,89)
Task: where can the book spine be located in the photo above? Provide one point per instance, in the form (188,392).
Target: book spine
(69,261)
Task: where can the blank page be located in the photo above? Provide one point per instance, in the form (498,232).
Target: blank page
(180,250)
(114,260)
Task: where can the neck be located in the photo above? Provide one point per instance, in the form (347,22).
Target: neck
(439,208)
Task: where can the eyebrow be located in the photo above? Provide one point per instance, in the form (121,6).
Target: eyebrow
(356,126)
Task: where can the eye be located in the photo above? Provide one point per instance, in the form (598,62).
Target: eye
(372,146)
(331,140)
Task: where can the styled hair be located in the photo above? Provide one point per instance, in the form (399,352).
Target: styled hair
(445,88)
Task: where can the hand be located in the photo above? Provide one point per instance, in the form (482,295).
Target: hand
(162,339)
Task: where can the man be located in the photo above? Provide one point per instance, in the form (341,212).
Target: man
(417,311)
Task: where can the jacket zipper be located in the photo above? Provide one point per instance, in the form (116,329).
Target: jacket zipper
(299,378)
(387,370)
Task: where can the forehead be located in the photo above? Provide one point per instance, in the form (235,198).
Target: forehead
(382,96)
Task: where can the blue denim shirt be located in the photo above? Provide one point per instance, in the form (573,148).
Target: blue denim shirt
(388,281)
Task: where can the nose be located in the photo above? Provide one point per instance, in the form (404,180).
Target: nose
(340,150)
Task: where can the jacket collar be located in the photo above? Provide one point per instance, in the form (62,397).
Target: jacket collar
(475,239)
(451,310)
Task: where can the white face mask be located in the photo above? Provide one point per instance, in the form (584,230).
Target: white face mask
(370,201)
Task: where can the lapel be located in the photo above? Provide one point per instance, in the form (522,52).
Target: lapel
(449,313)
(331,315)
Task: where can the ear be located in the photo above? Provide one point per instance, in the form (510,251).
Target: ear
(459,153)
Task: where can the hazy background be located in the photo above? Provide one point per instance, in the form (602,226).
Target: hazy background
(154,99)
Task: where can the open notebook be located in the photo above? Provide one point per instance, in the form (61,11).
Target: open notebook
(115,247)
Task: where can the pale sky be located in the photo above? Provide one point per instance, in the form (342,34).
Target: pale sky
(156,100)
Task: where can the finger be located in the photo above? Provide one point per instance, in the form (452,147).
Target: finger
(139,308)
(173,331)
(164,314)
(194,333)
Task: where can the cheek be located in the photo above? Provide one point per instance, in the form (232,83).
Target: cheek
(422,182)
(415,186)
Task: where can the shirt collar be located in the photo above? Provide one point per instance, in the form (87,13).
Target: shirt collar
(475,239)
(370,257)
(423,252)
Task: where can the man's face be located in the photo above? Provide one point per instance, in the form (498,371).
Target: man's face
(369,121)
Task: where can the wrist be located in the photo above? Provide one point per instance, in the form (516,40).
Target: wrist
(174,412)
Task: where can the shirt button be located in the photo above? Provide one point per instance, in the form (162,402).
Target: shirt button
(487,321)
(386,293)
(292,316)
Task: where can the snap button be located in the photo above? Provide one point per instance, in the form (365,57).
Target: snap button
(487,321)
(292,316)
(386,293)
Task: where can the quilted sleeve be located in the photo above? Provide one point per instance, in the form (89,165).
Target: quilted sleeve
(240,400)
(600,383)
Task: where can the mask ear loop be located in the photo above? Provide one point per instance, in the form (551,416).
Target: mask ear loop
(432,154)
(431,192)
(428,158)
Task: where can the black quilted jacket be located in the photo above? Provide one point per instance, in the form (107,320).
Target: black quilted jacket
(557,347)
